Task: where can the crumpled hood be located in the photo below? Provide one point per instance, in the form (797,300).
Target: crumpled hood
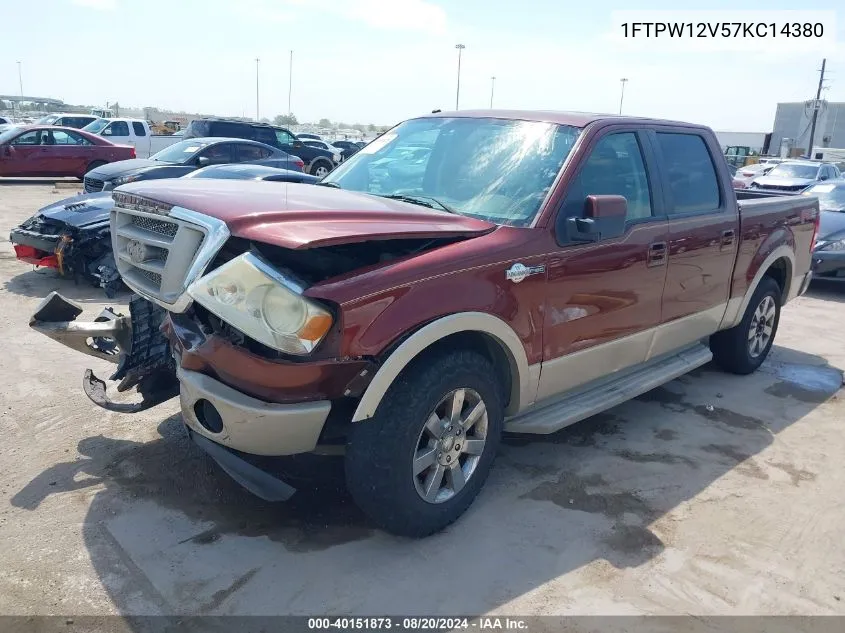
(774,181)
(109,171)
(79,211)
(295,216)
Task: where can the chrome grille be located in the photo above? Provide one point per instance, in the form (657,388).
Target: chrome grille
(93,185)
(156,226)
(160,249)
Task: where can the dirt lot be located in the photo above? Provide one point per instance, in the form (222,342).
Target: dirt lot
(716,494)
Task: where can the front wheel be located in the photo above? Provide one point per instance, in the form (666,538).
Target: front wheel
(419,463)
(320,168)
(743,348)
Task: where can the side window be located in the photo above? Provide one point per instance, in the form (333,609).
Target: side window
(284,137)
(30,138)
(139,128)
(615,167)
(116,128)
(265,135)
(253,152)
(63,138)
(692,176)
(219,154)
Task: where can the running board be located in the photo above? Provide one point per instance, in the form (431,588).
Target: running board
(553,415)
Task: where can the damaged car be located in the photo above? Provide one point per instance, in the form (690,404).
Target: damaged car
(72,236)
(464,274)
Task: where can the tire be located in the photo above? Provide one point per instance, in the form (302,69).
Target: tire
(741,350)
(381,452)
(320,168)
(94,165)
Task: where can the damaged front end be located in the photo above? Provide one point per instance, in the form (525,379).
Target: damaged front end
(134,342)
(72,237)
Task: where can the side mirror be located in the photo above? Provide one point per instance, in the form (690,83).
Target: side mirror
(297,144)
(604,218)
(203,161)
(823,177)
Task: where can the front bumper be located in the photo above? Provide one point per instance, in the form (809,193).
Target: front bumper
(45,243)
(829,263)
(237,421)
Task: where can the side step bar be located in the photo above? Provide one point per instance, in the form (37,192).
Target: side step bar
(554,415)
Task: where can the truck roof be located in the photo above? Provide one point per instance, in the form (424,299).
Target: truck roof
(576,119)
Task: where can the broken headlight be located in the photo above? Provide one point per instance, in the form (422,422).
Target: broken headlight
(124,180)
(248,294)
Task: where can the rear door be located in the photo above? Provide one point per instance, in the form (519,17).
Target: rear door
(604,298)
(703,239)
(72,152)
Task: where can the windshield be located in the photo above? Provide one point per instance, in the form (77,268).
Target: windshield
(494,169)
(96,126)
(831,197)
(794,170)
(179,152)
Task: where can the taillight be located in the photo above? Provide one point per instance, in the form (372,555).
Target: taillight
(299,163)
(133,153)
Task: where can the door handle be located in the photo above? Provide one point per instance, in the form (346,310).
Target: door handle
(656,254)
(727,238)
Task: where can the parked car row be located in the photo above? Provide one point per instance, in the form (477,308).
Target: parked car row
(786,175)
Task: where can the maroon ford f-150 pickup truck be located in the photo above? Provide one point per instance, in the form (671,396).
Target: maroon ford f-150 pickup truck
(465,274)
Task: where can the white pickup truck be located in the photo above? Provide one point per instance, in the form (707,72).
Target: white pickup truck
(134,132)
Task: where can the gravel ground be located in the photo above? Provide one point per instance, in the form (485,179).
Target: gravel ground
(715,494)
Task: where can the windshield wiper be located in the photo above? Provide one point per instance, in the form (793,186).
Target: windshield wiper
(426,201)
(333,185)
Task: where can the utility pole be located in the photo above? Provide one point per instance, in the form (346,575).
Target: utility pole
(256,88)
(816,106)
(623,81)
(290,82)
(460,48)
(492,87)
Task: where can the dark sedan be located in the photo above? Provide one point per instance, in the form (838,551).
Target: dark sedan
(187,156)
(73,235)
(829,252)
(349,147)
(43,150)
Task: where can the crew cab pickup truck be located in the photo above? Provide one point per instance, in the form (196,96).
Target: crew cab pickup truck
(134,132)
(499,271)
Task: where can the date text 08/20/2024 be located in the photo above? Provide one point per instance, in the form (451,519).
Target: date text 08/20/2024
(418,624)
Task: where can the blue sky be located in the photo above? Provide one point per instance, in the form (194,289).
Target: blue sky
(382,61)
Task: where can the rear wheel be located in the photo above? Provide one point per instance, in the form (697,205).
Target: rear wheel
(743,348)
(419,463)
(320,168)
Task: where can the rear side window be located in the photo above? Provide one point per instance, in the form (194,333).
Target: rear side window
(253,152)
(139,128)
(265,135)
(232,130)
(691,173)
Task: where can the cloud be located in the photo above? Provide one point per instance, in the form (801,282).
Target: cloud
(99,5)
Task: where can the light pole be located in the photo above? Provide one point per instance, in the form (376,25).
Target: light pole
(290,82)
(256,88)
(20,80)
(460,48)
(492,87)
(623,81)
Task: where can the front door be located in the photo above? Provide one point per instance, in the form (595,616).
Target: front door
(703,237)
(604,298)
(26,155)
